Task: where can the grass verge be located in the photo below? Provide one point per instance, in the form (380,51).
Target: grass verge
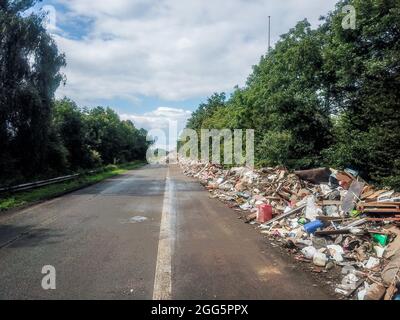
(16,200)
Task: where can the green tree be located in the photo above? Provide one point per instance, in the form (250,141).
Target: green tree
(362,70)
(287,85)
(206,110)
(69,123)
(29,75)
(104,133)
(115,140)
(282,101)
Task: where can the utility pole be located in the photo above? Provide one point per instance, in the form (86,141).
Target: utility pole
(269,34)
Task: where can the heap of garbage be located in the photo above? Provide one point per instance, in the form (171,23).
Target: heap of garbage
(331,219)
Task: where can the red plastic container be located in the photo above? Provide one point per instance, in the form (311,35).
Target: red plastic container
(264,213)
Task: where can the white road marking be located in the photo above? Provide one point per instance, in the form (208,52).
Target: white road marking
(163,276)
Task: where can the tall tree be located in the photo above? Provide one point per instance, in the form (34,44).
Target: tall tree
(69,122)
(115,140)
(29,75)
(288,106)
(362,68)
(206,110)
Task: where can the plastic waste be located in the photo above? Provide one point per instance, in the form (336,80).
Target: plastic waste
(309,252)
(336,252)
(355,213)
(312,210)
(350,281)
(353,250)
(302,221)
(354,173)
(361,293)
(372,263)
(379,251)
(320,259)
(331,211)
(264,213)
(353,194)
(382,239)
(348,269)
(313,226)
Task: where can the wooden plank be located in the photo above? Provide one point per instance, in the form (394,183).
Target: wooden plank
(376,194)
(331,232)
(333,219)
(383,219)
(330,203)
(383,232)
(380,207)
(365,196)
(345,177)
(285,215)
(381,204)
(381,211)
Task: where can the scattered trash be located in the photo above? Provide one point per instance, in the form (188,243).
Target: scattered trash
(309,252)
(316,176)
(328,218)
(372,263)
(312,211)
(264,213)
(336,252)
(312,227)
(137,219)
(320,259)
(375,292)
(391,270)
(379,251)
(352,196)
(382,239)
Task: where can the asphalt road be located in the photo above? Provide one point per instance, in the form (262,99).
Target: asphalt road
(150,234)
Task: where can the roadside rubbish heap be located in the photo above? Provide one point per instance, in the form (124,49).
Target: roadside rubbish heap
(331,219)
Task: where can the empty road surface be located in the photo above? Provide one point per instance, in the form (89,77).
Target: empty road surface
(150,234)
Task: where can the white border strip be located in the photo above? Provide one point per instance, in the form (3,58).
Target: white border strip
(163,276)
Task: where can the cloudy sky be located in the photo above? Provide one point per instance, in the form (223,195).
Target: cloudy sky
(154,60)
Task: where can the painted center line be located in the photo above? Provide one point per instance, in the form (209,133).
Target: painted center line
(163,276)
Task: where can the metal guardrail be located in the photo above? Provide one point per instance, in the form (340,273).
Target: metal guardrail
(37,184)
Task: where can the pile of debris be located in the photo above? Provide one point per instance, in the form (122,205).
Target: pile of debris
(328,218)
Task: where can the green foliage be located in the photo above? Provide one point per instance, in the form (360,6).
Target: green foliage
(8,202)
(362,69)
(69,122)
(29,75)
(328,96)
(115,140)
(40,137)
(96,136)
(276,145)
(206,110)
(280,102)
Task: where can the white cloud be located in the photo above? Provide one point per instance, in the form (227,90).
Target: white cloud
(171,49)
(169,120)
(159,118)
